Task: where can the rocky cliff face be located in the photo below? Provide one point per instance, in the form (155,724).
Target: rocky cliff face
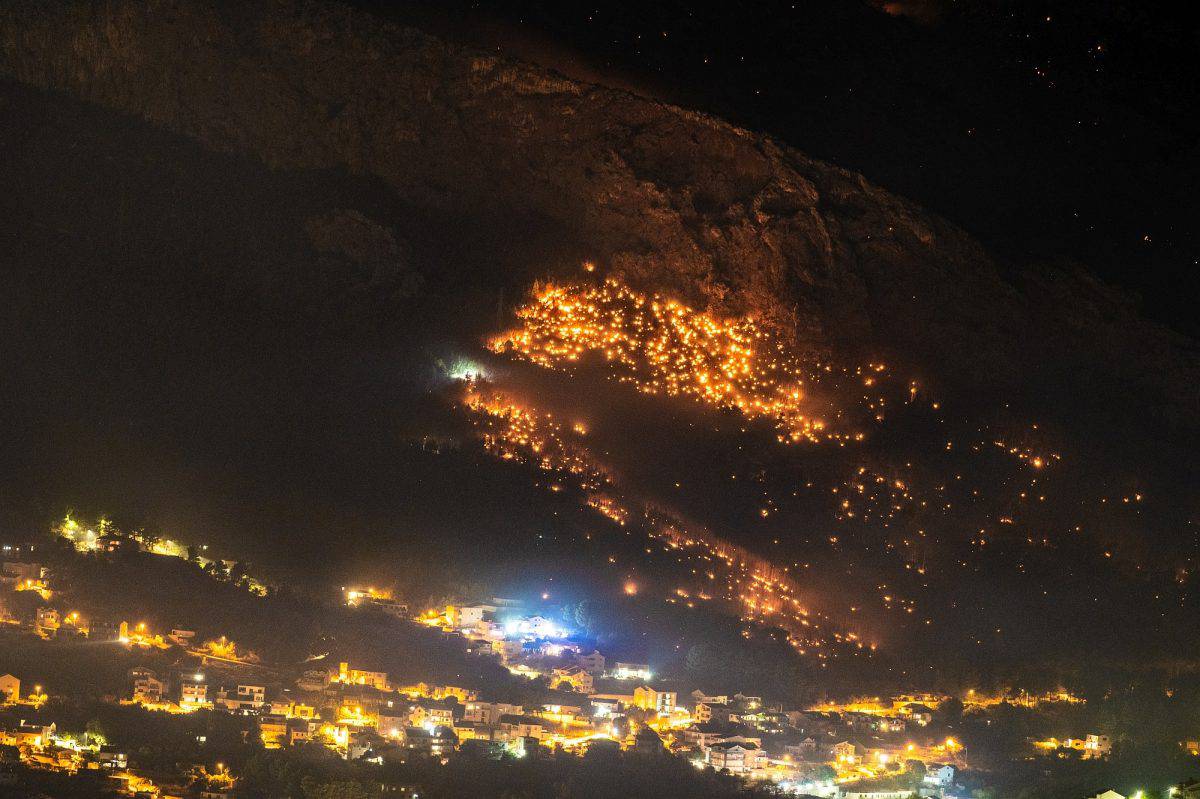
(667,197)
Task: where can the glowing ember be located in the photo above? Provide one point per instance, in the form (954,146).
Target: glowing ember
(512,432)
(662,346)
(756,589)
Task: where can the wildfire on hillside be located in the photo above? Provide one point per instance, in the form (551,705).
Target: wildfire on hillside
(662,346)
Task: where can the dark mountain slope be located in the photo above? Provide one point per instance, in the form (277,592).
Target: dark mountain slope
(674,198)
(242,238)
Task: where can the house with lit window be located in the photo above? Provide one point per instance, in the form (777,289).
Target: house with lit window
(1097,746)
(660,702)
(47,622)
(469,616)
(391,724)
(14,572)
(630,671)
(592,663)
(28,734)
(435,742)
(705,713)
(563,714)
(845,752)
(428,716)
(451,691)
(704,735)
(147,688)
(709,699)
(273,730)
(244,698)
(574,678)
(522,727)
(490,712)
(918,713)
(605,708)
(472,731)
(10,688)
(112,758)
(193,691)
(736,756)
(349,676)
(939,775)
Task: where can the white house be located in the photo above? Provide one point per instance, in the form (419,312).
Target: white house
(940,775)
(702,736)
(184,638)
(605,708)
(247,697)
(729,757)
(193,691)
(631,671)
(1096,746)
(489,713)
(736,755)
(146,686)
(522,727)
(471,615)
(592,664)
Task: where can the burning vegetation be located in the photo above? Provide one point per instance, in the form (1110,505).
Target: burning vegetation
(662,346)
(872,478)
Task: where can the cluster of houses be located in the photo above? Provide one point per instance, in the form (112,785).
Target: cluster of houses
(531,646)
(361,713)
(588,701)
(1092,746)
(38,745)
(738,734)
(358,710)
(20,575)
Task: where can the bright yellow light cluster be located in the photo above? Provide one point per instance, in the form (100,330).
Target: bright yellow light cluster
(662,346)
(221,647)
(357,596)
